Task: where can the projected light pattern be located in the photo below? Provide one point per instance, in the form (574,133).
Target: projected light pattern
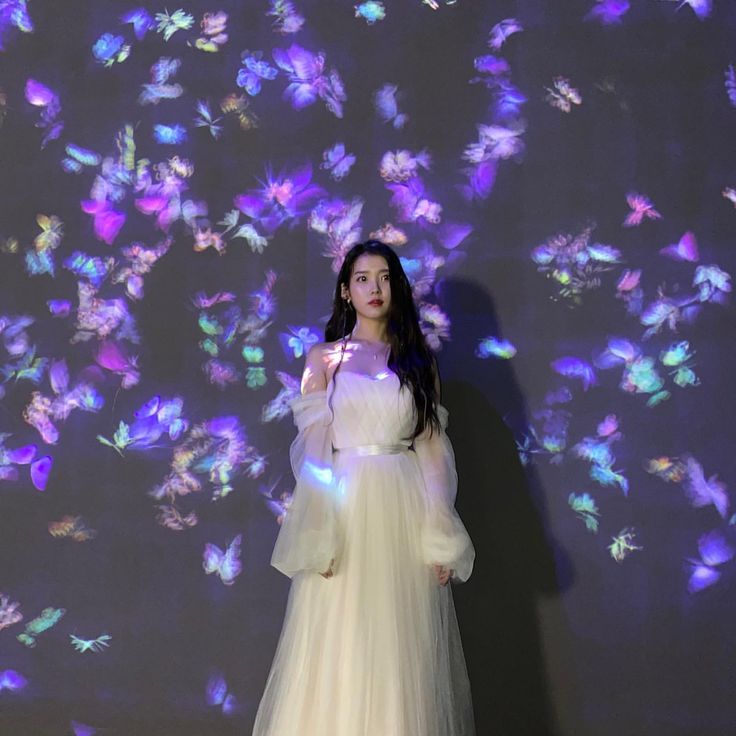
(196,86)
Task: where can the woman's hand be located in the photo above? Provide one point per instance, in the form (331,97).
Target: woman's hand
(328,573)
(443,573)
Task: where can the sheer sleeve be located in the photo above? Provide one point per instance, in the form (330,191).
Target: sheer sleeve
(308,538)
(445,540)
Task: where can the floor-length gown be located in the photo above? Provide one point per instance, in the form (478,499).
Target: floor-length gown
(375,649)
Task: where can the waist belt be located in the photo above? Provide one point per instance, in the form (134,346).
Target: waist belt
(363,450)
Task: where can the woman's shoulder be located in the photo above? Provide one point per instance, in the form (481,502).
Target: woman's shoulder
(317,364)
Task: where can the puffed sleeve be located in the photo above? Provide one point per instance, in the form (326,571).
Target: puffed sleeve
(445,540)
(309,537)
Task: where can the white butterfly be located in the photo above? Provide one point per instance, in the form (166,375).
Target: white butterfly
(225,563)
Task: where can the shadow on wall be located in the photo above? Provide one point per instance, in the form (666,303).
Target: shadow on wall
(502,506)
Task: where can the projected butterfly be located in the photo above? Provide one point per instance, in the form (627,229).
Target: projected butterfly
(714,551)
(337,162)
(141,21)
(9,613)
(82,729)
(608,12)
(641,209)
(387,106)
(501,32)
(224,563)
(218,694)
(12,681)
(684,250)
(288,20)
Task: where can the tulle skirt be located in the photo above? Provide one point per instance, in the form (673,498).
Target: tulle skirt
(375,649)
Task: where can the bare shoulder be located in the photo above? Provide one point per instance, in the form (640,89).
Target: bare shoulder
(314,377)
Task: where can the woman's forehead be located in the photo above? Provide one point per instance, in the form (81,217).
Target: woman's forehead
(370,262)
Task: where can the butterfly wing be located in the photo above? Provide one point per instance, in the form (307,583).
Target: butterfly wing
(231,565)
(213,558)
(40,470)
(216,689)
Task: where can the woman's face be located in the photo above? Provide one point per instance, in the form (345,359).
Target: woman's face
(370,287)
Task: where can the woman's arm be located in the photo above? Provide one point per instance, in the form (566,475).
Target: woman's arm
(446,544)
(314,377)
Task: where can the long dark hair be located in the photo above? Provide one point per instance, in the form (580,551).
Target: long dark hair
(410,357)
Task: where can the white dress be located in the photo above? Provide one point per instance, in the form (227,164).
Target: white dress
(375,649)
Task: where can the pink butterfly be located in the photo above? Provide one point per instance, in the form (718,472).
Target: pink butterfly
(225,563)
(203,301)
(107,221)
(113,357)
(641,209)
(608,427)
(629,280)
(685,250)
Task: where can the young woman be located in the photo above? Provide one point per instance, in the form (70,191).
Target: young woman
(370,644)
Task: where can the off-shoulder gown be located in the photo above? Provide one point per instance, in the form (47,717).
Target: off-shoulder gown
(374,650)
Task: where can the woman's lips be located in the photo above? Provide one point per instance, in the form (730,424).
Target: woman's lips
(376,302)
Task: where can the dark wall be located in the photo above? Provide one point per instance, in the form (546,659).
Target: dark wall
(594,451)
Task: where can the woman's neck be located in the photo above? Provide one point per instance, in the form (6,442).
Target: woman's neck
(372,331)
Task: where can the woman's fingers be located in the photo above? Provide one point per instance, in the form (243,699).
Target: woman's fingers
(443,574)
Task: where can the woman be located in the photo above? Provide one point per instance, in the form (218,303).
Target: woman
(370,643)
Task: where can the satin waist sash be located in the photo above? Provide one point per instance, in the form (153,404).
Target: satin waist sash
(364,450)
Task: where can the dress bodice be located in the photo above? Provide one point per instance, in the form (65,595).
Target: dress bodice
(371,410)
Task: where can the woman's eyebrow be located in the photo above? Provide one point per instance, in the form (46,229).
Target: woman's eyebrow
(380,270)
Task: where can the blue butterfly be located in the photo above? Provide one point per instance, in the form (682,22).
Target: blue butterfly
(218,695)
(170,135)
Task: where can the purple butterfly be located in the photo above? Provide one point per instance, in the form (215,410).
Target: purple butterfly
(501,32)
(702,492)
(107,220)
(337,161)
(141,21)
(40,470)
(410,203)
(684,250)
(571,367)
(224,563)
(203,301)
(701,8)
(12,681)
(218,695)
(608,12)
(308,80)
(714,551)
(386,102)
(281,198)
(111,356)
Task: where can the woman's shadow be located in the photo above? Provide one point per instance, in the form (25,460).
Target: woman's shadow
(502,505)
